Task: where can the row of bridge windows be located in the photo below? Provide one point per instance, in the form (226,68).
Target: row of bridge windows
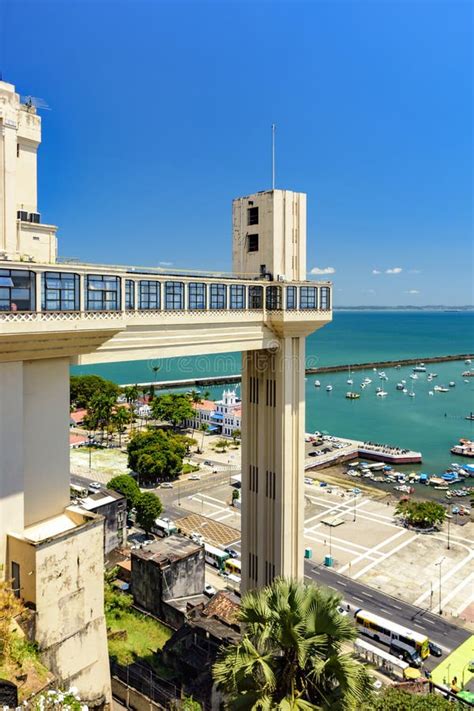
(60,291)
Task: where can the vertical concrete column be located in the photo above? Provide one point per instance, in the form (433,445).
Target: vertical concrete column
(273,462)
(82,292)
(45,438)
(38,287)
(11,454)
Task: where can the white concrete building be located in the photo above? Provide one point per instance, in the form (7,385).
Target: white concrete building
(222,416)
(54,314)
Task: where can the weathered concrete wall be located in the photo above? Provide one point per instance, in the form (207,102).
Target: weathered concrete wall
(115,525)
(185,577)
(131,698)
(70,628)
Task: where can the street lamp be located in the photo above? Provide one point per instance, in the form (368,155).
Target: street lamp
(439,591)
(90,437)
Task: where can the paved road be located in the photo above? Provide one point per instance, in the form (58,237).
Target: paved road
(357,595)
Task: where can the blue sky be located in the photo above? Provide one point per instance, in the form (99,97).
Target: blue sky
(161,114)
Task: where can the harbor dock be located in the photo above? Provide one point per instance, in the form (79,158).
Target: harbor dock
(349,449)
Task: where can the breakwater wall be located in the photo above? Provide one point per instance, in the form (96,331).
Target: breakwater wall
(235,378)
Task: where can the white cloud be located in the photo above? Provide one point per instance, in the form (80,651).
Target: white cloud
(324,270)
(376,271)
(394,270)
(166,264)
(412,291)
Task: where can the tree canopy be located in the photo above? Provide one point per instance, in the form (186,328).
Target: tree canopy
(290,656)
(84,387)
(172,407)
(127,486)
(422,514)
(156,454)
(397,700)
(148,508)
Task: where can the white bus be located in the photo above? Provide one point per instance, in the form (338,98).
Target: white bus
(164,527)
(215,556)
(403,642)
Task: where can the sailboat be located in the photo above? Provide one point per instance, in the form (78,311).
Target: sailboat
(411,393)
(349,380)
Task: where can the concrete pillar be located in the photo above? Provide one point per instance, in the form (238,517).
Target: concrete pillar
(11,453)
(45,437)
(273,462)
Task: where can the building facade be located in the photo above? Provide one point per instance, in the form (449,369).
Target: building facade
(222,417)
(113,507)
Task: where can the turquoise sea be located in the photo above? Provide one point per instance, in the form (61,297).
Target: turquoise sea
(430,424)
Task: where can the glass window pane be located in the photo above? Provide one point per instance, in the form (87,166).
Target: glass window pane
(237,296)
(255,297)
(174,295)
(196,296)
(218,296)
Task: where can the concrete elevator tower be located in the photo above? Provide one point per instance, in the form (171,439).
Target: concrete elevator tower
(269,240)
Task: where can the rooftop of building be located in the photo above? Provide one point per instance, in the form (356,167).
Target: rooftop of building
(100,498)
(168,550)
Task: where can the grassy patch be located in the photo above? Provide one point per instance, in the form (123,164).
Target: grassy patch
(144,637)
(190,468)
(24,668)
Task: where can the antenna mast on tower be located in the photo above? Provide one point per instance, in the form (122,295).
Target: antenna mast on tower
(273,155)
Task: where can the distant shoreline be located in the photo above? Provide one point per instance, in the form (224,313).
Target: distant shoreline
(440,309)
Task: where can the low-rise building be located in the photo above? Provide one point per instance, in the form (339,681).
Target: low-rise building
(166,575)
(222,417)
(113,507)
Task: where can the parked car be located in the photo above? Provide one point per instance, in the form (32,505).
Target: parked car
(166,485)
(207,463)
(194,477)
(95,485)
(308,480)
(209,590)
(435,650)
(312,454)
(231,552)
(341,610)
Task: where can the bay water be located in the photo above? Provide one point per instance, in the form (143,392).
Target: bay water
(428,423)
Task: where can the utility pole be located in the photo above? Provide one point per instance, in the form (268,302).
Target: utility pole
(440,582)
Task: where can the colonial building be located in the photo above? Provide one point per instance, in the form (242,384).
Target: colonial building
(222,417)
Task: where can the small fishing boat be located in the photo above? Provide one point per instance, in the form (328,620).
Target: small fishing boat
(405,390)
(400,386)
(382,393)
(452,384)
(328,388)
(433,375)
(430,392)
(414,376)
(420,368)
(352,396)
(367,381)
(317,384)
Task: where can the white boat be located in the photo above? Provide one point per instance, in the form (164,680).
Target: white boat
(363,385)
(468,361)
(328,388)
(383,377)
(381,373)
(443,389)
(405,390)
(430,392)
(452,384)
(317,384)
(433,375)
(403,381)
(412,394)
(349,381)
(414,376)
(367,381)
(420,368)
(382,393)
(400,386)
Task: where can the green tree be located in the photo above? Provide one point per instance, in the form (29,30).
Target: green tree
(422,514)
(121,418)
(204,428)
(397,700)
(148,508)
(236,434)
(173,408)
(83,388)
(131,393)
(156,454)
(99,413)
(290,654)
(127,486)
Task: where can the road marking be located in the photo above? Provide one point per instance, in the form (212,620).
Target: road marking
(397,606)
(334,545)
(357,598)
(465,604)
(382,609)
(368,595)
(462,584)
(444,579)
(350,545)
(374,549)
(385,556)
(430,622)
(341,583)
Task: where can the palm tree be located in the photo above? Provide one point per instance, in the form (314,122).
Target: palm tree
(121,418)
(204,427)
(290,656)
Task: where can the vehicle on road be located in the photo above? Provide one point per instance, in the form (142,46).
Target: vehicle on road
(231,552)
(215,556)
(308,480)
(166,485)
(95,485)
(341,610)
(402,640)
(312,454)
(197,538)
(233,566)
(194,477)
(164,527)
(209,590)
(207,463)
(435,650)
